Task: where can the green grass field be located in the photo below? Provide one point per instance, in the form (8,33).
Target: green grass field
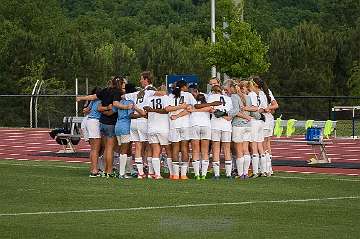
(52,200)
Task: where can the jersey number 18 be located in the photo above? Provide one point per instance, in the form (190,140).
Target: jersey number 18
(156,104)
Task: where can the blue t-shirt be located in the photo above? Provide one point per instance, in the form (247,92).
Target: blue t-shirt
(122,126)
(94,113)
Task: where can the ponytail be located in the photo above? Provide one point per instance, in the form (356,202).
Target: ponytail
(177,91)
(263,86)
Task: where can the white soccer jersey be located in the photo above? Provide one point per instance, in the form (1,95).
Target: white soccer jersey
(255,100)
(158,123)
(200,119)
(182,122)
(268,116)
(263,100)
(221,123)
(139,102)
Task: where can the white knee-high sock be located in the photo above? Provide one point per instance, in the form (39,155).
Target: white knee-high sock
(228,168)
(176,168)
(184,168)
(151,169)
(196,166)
(216,167)
(123,158)
(139,166)
(255,163)
(101,163)
(240,163)
(247,160)
(128,164)
(156,165)
(204,167)
(263,163)
(268,163)
(170,166)
(116,160)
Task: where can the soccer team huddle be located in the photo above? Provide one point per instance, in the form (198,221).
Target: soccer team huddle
(235,118)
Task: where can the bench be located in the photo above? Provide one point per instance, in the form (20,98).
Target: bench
(320,157)
(73,137)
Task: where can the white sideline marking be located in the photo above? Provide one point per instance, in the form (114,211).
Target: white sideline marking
(179,206)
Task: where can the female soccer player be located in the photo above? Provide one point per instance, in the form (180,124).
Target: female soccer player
(107,121)
(180,127)
(221,131)
(158,131)
(124,108)
(92,127)
(200,135)
(138,132)
(268,99)
(257,128)
(241,130)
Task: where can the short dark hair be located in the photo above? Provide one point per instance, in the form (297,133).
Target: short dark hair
(130,88)
(147,75)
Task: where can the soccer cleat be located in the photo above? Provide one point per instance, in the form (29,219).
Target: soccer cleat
(94,175)
(216,177)
(197,177)
(184,177)
(141,176)
(124,177)
(255,175)
(203,177)
(175,177)
(157,177)
(116,172)
(229,177)
(101,173)
(151,176)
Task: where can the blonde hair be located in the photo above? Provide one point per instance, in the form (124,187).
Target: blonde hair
(243,84)
(216,89)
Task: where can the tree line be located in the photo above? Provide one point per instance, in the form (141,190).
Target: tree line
(311,47)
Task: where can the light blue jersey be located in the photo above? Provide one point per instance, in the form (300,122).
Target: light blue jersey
(94,113)
(122,126)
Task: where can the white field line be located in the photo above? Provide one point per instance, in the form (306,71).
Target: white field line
(180,206)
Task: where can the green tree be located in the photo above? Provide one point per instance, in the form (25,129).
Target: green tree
(239,51)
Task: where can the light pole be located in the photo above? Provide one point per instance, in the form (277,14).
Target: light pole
(213,69)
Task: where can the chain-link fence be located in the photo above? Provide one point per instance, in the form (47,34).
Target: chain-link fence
(44,111)
(49,110)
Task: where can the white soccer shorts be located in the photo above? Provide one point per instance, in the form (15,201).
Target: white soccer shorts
(220,136)
(241,134)
(123,139)
(138,132)
(178,135)
(257,131)
(93,127)
(159,138)
(200,133)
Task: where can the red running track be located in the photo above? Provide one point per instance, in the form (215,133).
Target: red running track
(27,144)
